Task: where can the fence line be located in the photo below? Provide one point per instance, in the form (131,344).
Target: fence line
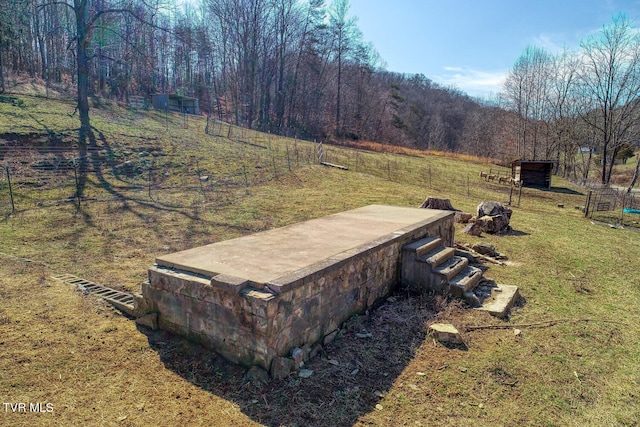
(612,205)
(180,175)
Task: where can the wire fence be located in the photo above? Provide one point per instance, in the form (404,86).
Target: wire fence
(188,173)
(613,206)
(34,177)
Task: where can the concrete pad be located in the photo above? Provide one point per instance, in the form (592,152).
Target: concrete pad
(502,299)
(266,256)
(255,298)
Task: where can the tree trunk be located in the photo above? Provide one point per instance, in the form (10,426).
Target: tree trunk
(1,70)
(636,172)
(338,130)
(81,8)
(612,160)
(40,42)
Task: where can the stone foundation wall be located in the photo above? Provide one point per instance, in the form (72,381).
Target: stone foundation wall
(258,324)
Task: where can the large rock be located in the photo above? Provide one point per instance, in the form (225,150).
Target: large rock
(493,209)
(462,217)
(473,228)
(494,217)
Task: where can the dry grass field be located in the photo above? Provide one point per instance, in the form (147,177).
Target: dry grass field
(567,356)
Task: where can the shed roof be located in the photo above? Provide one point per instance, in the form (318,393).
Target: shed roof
(533,161)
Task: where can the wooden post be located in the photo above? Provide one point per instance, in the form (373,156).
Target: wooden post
(149,186)
(75,174)
(13,206)
(275,170)
(520,194)
(510,193)
(288,159)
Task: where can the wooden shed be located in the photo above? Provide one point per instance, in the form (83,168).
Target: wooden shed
(533,173)
(177,103)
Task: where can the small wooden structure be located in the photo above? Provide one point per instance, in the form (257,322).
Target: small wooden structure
(533,173)
(177,103)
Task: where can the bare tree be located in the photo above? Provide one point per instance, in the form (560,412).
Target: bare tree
(563,116)
(87,14)
(527,88)
(344,35)
(636,173)
(610,83)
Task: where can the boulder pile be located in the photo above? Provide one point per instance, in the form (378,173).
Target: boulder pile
(492,218)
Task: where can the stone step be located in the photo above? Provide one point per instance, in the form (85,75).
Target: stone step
(452,267)
(423,246)
(465,281)
(502,298)
(430,246)
(437,256)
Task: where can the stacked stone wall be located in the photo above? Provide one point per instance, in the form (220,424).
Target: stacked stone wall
(257,323)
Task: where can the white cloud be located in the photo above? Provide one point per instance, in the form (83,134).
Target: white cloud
(473,82)
(549,43)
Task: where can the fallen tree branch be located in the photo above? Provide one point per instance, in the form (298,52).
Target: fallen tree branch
(478,255)
(545,323)
(331,165)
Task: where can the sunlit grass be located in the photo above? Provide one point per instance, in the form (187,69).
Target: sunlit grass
(96,367)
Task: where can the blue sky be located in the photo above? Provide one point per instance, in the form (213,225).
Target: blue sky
(472,44)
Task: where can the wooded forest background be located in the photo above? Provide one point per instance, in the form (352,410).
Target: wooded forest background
(301,68)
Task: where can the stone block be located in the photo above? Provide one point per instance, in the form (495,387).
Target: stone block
(473,229)
(142,305)
(149,320)
(446,333)
(281,367)
(297,354)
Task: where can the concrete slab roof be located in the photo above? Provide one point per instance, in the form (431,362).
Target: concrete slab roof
(268,255)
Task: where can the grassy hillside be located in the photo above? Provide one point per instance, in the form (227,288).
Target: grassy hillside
(575,361)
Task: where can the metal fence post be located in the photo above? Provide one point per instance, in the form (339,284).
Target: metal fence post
(587,203)
(200,177)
